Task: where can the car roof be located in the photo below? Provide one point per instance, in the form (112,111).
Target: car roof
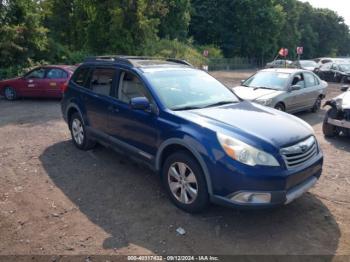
(285,70)
(137,61)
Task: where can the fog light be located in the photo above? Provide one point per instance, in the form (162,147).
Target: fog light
(251,198)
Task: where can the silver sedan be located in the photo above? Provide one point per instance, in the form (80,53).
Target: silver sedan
(289,90)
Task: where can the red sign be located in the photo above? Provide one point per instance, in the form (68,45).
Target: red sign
(205,53)
(300,50)
(283,52)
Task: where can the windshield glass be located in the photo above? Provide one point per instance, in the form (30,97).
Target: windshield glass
(189,89)
(345,68)
(308,63)
(268,80)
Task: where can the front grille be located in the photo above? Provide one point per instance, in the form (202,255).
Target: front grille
(300,153)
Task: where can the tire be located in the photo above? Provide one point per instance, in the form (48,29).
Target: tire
(280,107)
(328,129)
(78,133)
(10,93)
(317,105)
(343,80)
(187,189)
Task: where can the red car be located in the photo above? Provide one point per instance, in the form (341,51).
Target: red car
(44,81)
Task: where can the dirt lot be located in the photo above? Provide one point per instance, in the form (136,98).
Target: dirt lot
(55,199)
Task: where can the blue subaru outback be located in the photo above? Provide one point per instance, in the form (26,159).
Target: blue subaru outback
(207,144)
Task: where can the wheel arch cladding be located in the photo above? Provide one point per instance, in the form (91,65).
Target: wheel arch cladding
(174,144)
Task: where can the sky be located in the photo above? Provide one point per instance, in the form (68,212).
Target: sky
(342,7)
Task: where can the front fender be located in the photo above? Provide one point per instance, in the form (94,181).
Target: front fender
(191,145)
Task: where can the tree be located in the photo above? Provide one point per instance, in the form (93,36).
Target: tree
(22,33)
(175,19)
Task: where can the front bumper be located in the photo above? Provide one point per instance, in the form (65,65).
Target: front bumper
(264,191)
(339,123)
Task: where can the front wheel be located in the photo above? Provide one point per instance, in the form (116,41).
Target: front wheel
(329,130)
(79,135)
(185,183)
(280,107)
(10,93)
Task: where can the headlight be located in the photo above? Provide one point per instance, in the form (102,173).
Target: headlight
(264,102)
(245,153)
(339,103)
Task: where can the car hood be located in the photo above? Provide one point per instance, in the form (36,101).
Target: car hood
(250,121)
(310,68)
(345,100)
(251,94)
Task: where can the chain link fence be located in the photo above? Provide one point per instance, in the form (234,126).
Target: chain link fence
(236,63)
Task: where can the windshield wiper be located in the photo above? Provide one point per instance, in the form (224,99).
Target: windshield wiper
(262,87)
(185,108)
(220,103)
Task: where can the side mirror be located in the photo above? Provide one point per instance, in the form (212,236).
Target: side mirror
(140,103)
(242,81)
(344,88)
(295,87)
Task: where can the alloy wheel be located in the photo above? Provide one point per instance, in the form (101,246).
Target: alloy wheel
(182,183)
(78,131)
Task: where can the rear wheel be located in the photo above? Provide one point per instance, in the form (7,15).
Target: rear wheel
(280,107)
(317,105)
(330,130)
(343,80)
(185,183)
(79,135)
(10,93)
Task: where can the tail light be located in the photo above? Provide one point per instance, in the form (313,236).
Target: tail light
(64,87)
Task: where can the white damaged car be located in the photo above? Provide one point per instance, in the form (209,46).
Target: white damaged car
(337,120)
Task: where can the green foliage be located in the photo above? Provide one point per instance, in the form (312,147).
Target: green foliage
(175,49)
(22,33)
(65,31)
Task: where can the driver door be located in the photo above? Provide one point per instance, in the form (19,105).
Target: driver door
(296,99)
(137,128)
(34,83)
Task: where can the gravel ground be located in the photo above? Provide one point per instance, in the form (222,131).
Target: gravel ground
(55,199)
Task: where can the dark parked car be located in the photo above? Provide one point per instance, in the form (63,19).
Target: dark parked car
(43,81)
(335,72)
(279,64)
(206,144)
(337,120)
(309,65)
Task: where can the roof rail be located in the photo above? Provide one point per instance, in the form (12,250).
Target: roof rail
(179,61)
(128,60)
(106,58)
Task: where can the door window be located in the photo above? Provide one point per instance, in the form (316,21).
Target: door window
(130,87)
(310,80)
(36,74)
(298,80)
(80,77)
(101,81)
(56,73)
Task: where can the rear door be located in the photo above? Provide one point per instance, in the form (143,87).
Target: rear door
(311,90)
(54,80)
(98,98)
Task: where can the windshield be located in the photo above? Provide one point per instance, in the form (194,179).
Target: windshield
(345,68)
(268,80)
(189,89)
(308,63)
